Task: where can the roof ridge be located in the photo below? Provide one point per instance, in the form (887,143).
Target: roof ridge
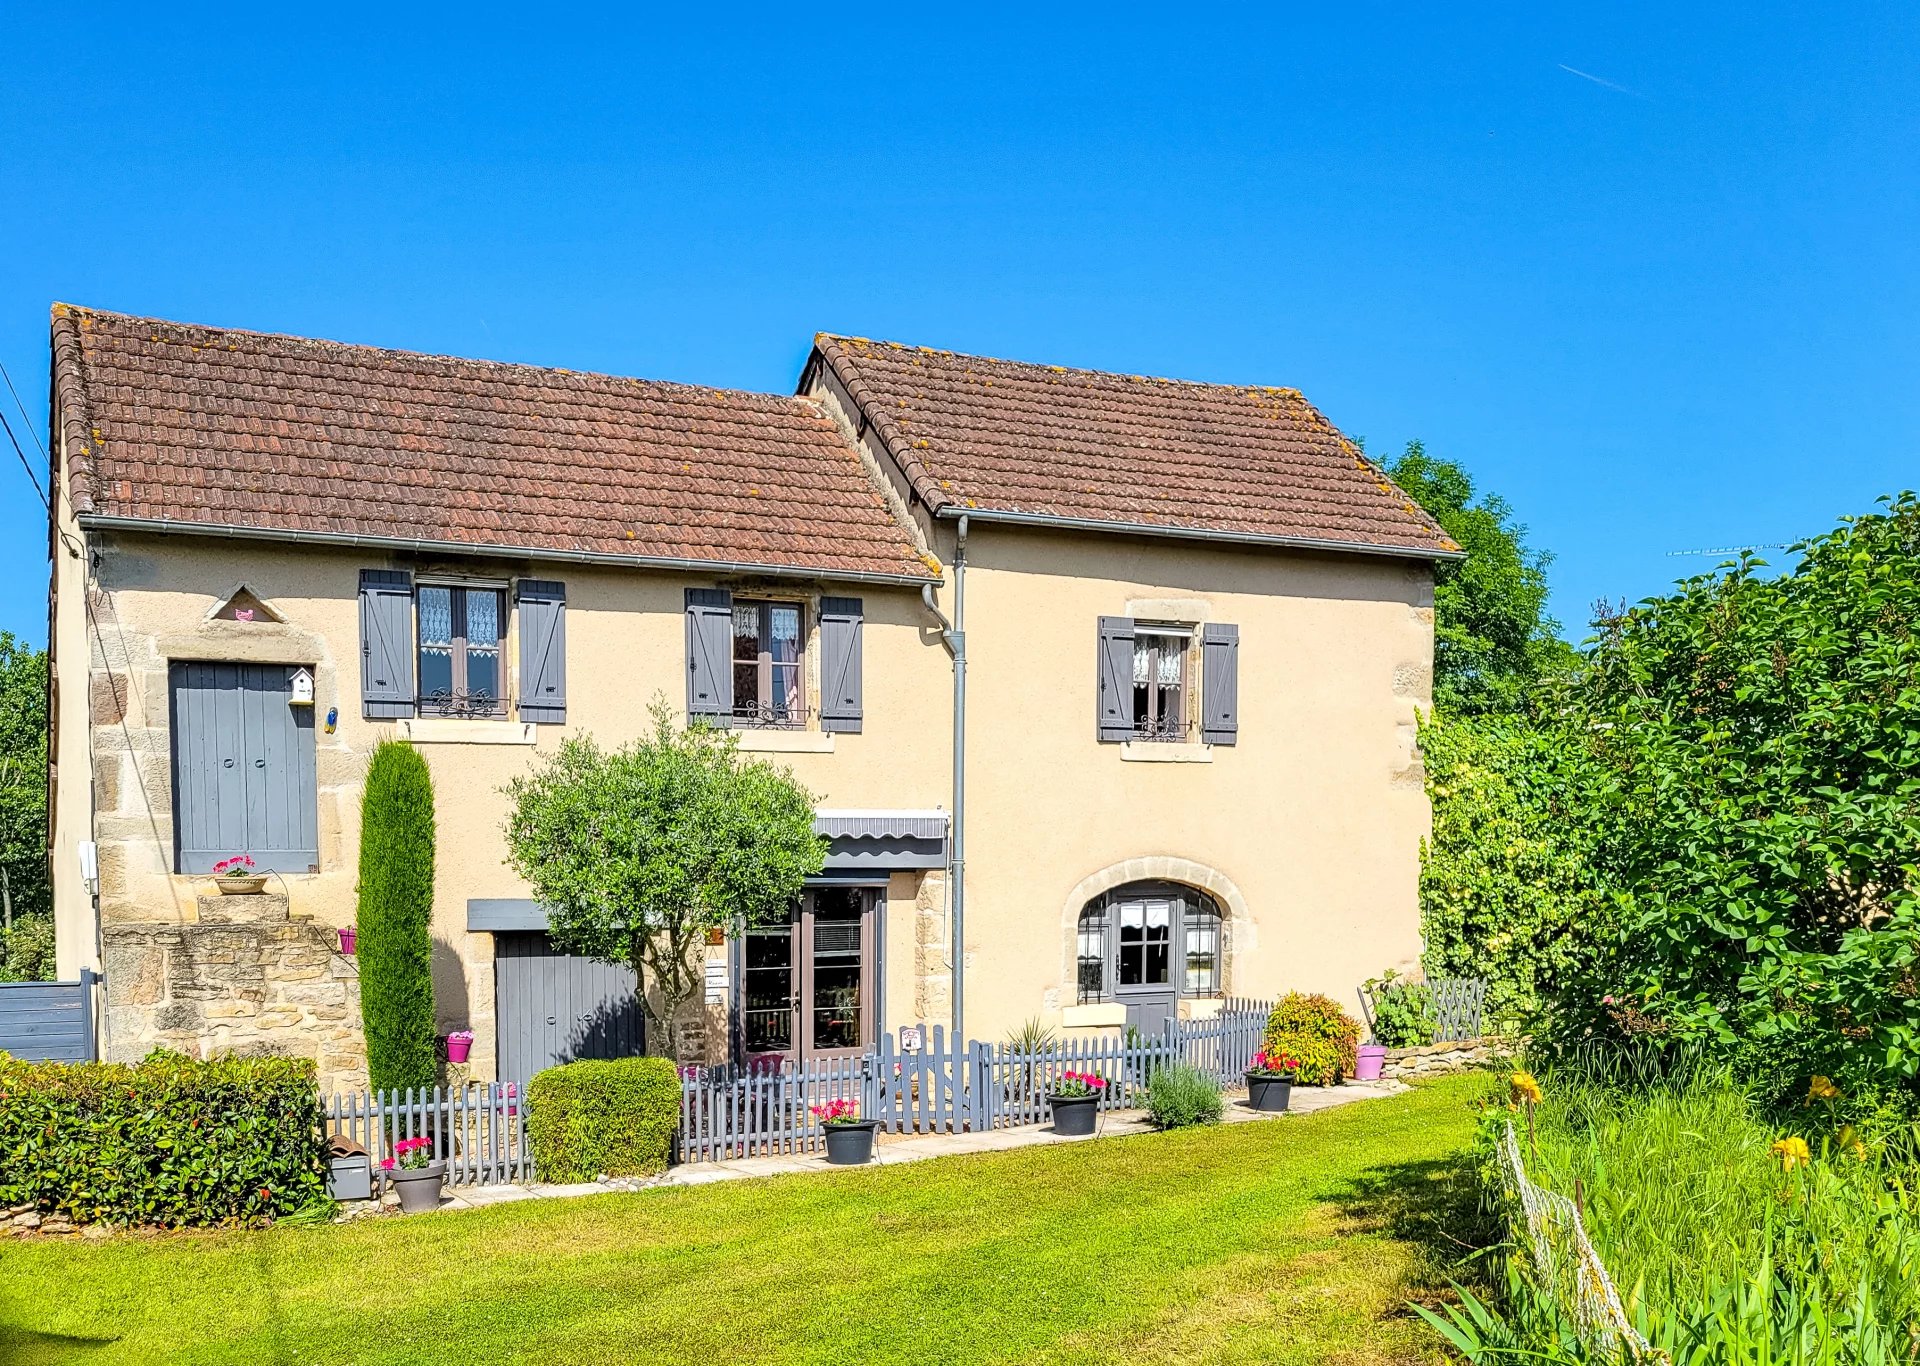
(399,352)
(1279,390)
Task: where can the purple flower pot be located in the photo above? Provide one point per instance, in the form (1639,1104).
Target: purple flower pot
(1372,1058)
(457,1049)
(347,933)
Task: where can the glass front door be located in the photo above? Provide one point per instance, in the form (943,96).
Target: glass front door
(1143,961)
(807,985)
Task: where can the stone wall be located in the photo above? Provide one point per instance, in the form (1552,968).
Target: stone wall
(245,977)
(1453,1056)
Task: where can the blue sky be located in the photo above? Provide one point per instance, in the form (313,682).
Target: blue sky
(1648,271)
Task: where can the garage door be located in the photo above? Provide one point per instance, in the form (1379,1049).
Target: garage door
(555,1007)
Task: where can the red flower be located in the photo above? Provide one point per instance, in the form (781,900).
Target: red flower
(266,1194)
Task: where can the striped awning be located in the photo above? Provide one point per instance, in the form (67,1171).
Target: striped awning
(881,825)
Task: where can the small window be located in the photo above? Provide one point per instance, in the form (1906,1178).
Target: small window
(461,629)
(1160,683)
(769,659)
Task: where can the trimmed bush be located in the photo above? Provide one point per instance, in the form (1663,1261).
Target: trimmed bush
(395,915)
(1315,1030)
(611,1117)
(1180,1096)
(169,1141)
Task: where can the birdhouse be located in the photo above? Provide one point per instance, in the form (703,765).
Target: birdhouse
(302,688)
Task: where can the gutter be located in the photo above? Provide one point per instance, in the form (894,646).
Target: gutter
(954,635)
(1042,519)
(164,526)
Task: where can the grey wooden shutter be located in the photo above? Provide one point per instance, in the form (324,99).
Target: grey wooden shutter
(543,650)
(1114,702)
(1220,683)
(386,643)
(244,780)
(710,654)
(840,689)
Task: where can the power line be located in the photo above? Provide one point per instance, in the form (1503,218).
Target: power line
(26,464)
(26,418)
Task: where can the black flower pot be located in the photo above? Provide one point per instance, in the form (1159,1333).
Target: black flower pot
(850,1145)
(1073,1116)
(1268,1091)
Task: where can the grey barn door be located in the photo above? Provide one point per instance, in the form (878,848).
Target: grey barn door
(243,768)
(556,1008)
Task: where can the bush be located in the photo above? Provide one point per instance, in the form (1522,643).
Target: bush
(27,950)
(168,1141)
(1403,1012)
(395,915)
(613,1117)
(1180,1096)
(1322,1036)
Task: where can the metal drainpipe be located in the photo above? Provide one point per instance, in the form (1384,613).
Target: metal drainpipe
(954,635)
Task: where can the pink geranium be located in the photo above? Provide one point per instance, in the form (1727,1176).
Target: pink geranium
(240,865)
(839,1111)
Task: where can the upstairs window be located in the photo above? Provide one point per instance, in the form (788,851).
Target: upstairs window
(461,629)
(1160,682)
(769,663)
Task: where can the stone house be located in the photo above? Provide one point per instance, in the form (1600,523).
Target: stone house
(1176,633)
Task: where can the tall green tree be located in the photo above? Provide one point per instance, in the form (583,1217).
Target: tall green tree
(395,918)
(26,899)
(1760,738)
(1493,638)
(638,852)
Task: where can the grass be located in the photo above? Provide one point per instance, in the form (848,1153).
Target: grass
(1291,1241)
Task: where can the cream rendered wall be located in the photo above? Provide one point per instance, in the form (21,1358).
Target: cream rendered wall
(625,644)
(70,817)
(1308,829)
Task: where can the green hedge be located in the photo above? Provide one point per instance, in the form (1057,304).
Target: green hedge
(168,1141)
(1316,1033)
(613,1118)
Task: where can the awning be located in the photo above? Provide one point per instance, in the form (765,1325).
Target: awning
(875,841)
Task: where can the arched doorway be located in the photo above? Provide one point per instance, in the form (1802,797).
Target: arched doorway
(1145,945)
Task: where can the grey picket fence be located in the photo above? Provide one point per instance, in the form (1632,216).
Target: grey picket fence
(946,1087)
(480,1130)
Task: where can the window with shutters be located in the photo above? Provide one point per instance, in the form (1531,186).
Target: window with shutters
(1160,681)
(769,663)
(1145,939)
(438,648)
(461,631)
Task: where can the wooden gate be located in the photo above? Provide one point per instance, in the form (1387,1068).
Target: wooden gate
(556,1008)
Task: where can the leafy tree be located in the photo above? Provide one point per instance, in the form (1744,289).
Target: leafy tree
(26,899)
(1759,808)
(1493,639)
(395,916)
(638,852)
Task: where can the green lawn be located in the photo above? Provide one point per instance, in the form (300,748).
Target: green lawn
(1296,1240)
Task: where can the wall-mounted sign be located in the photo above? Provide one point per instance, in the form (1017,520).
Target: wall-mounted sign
(302,688)
(913,1038)
(716,984)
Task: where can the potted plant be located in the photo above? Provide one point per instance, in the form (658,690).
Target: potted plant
(347,935)
(849,1137)
(1402,1018)
(1270,1081)
(417,1178)
(1075,1098)
(459,1044)
(235,876)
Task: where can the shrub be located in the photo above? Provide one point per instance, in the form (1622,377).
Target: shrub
(1181,1095)
(612,1117)
(1322,1036)
(395,914)
(1403,1012)
(169,1141)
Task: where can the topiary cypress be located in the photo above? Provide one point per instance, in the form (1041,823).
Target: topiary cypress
(395,916)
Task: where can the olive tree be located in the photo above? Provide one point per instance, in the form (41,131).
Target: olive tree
(638,852)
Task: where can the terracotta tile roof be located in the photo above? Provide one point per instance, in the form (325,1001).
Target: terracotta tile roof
(210,427)
(972,433)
